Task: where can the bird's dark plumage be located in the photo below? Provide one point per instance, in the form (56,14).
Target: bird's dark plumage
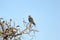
(31,20)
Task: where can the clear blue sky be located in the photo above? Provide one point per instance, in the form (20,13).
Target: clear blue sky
(46,14)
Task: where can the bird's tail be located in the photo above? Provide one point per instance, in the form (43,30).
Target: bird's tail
(34,24)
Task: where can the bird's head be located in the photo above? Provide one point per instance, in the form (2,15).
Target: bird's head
(29,16)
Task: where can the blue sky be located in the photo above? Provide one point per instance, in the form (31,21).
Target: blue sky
(46,14)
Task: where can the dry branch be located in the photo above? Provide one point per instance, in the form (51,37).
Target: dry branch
(11,32)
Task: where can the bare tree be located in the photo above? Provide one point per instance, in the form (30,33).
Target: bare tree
(10,32)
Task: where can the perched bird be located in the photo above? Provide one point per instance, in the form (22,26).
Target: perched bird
(30,19)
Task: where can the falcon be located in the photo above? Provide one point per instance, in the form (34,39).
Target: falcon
(30,19)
